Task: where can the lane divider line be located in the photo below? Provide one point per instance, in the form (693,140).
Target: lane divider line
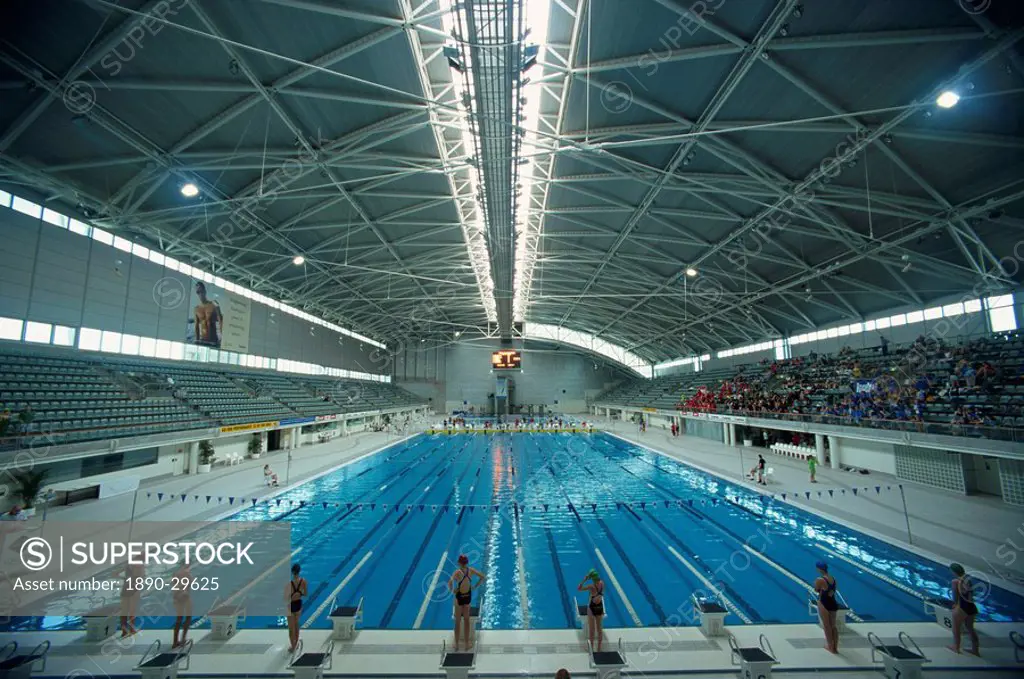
(334,592)
(707,583)
(618,588)
(287,560)
(853,616)
(430,591)
(884,578)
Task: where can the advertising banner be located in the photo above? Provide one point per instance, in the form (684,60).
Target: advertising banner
(144,568)
(252,426)
(327,418)
(217,318)
(296,420)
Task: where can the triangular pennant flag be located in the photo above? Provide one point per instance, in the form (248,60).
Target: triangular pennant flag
(183,496)
(593,507)
(819,493)
(231,500)
(878,489)
(220,498)
(714,502)
(278,501)
(149,494)
(545,508)
(495,507)
(643,505)
(433,508)
(843,491)
(302,503)
(470,507)
(831,493)
(397,508)
(690,502)
(667,503)
(384,507)
(807,494)
(254,502)
(783,496)
(159,496)
(888,487)
(373,505)
(195,498)
(854,490)
(324,504)
(348,505)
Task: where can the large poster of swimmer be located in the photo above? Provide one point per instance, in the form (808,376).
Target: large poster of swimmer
(217,318)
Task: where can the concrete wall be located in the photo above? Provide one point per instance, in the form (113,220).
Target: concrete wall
(873,455)
(51,275)
(549,374)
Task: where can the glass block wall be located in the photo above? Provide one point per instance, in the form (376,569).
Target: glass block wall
(1011,479)
(931,467)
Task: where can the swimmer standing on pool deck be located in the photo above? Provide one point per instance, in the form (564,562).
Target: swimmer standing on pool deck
(595,608)
(964,609)
(825,586)
(461,585)
(296,588)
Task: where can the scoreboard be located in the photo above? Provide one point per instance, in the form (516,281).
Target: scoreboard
(506,359)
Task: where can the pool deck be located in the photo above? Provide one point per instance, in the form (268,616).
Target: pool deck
(977,526)
(652,651)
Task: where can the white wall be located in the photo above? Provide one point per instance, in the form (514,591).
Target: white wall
(548,375)
(873,455)
(52,275)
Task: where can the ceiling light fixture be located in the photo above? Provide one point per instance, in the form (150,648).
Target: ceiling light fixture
(298,260)
(691,272)
(189,190)
(947,99)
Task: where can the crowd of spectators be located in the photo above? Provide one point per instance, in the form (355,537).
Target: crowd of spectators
(905,385)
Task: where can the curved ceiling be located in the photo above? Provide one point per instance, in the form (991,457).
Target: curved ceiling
(791,155)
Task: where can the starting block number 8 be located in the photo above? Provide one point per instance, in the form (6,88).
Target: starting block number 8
(748,675)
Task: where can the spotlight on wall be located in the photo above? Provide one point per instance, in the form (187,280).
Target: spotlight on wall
(947,99)
(189,190)
(298,260)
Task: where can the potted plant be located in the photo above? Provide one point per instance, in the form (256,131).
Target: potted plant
(255,446)
(29,484)
(206,457)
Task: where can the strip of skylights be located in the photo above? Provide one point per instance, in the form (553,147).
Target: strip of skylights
(530,213)
(463,179)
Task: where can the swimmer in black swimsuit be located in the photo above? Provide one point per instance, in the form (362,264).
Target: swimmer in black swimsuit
(461,585)
(296,589)
(595,608)
(825,586)
(964,609)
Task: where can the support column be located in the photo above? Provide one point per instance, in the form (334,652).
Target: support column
(726,434)
(834,451)
(193,457)
(819,447)
(344,427)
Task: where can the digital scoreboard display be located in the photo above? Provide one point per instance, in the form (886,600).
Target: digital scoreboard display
(506,359)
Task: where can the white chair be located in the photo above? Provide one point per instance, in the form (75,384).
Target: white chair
(769,472)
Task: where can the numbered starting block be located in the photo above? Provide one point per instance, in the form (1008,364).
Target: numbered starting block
(456,664)
(1018,645)
(14,665)
(344,620)
(842,614)
(755,662)
(942,609)
(712,616)
(608,664)
(900,661)
(224,621)
(101,623)
(157,665)
(312,665)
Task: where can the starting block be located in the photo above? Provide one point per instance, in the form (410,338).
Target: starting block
(344,619)
(1018,645)
(942,610)
(456,664)
(755,662)
(899,661)
(842,615)
(312,665)
(608,664)
(14,665)
(224,621)
(712,616)
(101,623)
(157,665)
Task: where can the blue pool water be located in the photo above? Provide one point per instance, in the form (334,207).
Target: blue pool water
(535,512)
(535,548)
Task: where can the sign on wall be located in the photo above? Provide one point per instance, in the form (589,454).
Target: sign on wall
(501,388)
(217,318)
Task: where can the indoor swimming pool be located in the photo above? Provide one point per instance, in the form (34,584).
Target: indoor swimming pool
(536,512)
